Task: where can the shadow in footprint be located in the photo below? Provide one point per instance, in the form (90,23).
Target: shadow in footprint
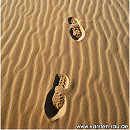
(50,109)
(69,20)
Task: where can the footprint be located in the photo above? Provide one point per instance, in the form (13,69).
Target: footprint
(56,102)
(77,32)
(73,20)
(58,98)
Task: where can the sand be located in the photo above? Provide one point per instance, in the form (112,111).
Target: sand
(36,45)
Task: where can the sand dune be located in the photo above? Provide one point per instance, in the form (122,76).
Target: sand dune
(36,45)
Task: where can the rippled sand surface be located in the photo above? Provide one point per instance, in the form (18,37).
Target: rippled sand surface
(36,45)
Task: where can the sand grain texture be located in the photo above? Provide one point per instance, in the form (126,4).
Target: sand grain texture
(36,45)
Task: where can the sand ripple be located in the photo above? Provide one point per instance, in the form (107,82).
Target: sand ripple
(36,45)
